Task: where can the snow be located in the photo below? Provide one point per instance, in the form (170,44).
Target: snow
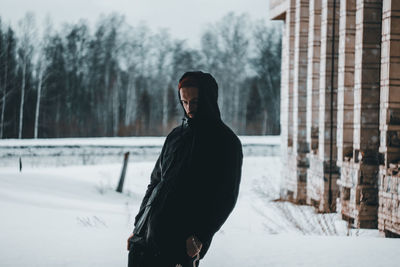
(100,141)
(71,216)
(120,141)
(84,151)
(260,140)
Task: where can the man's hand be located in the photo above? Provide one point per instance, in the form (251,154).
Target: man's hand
(128,243)
(193,246)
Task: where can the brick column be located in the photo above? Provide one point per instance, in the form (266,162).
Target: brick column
(345,115)
(323,184)
(290,166)
(389,190)
(290,32)
(284,118)
(365,164)
(314,43)
(347,29)
(300,147)
(313,72)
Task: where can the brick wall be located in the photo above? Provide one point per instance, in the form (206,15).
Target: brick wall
(389,180)
(341,140)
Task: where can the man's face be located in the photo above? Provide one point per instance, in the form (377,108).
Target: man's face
(189,99)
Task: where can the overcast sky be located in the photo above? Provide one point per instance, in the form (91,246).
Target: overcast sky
(184,18)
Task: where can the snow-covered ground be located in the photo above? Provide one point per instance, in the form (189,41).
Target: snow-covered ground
(71,216)
(86,151)
(120,141)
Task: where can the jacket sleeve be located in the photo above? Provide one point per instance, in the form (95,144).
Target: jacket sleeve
(223,195)
(155,178)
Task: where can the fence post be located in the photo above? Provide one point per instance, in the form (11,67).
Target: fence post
(122,178)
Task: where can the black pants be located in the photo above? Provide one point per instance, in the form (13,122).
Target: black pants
(142,259)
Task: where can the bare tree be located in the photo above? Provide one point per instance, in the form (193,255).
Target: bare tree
(3,80)
(211,53)
(225,48)
(163,58)
(41,74)
(121,80)
(135,58)
(25,52)
(41,66)
(128,58)
(8,62)
(266,64)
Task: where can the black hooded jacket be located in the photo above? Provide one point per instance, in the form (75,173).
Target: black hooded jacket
(195,182)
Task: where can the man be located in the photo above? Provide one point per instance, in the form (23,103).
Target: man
(194,184)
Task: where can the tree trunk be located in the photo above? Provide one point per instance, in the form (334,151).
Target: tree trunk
(115,111)
(57,126)
(3,105)
(265,123)
(127,118)
(21,109)
(131,101)
(38,102)
(107,112)
(165,109)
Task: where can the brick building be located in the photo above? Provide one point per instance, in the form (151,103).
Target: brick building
(340,107)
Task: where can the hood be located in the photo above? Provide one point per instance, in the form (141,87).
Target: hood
(207,109)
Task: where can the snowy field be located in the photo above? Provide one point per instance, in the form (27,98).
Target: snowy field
(119,141)
(71,216)
(85,151)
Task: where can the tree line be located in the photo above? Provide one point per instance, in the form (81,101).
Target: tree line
(121,80)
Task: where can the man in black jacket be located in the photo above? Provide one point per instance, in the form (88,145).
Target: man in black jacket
(194,184)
